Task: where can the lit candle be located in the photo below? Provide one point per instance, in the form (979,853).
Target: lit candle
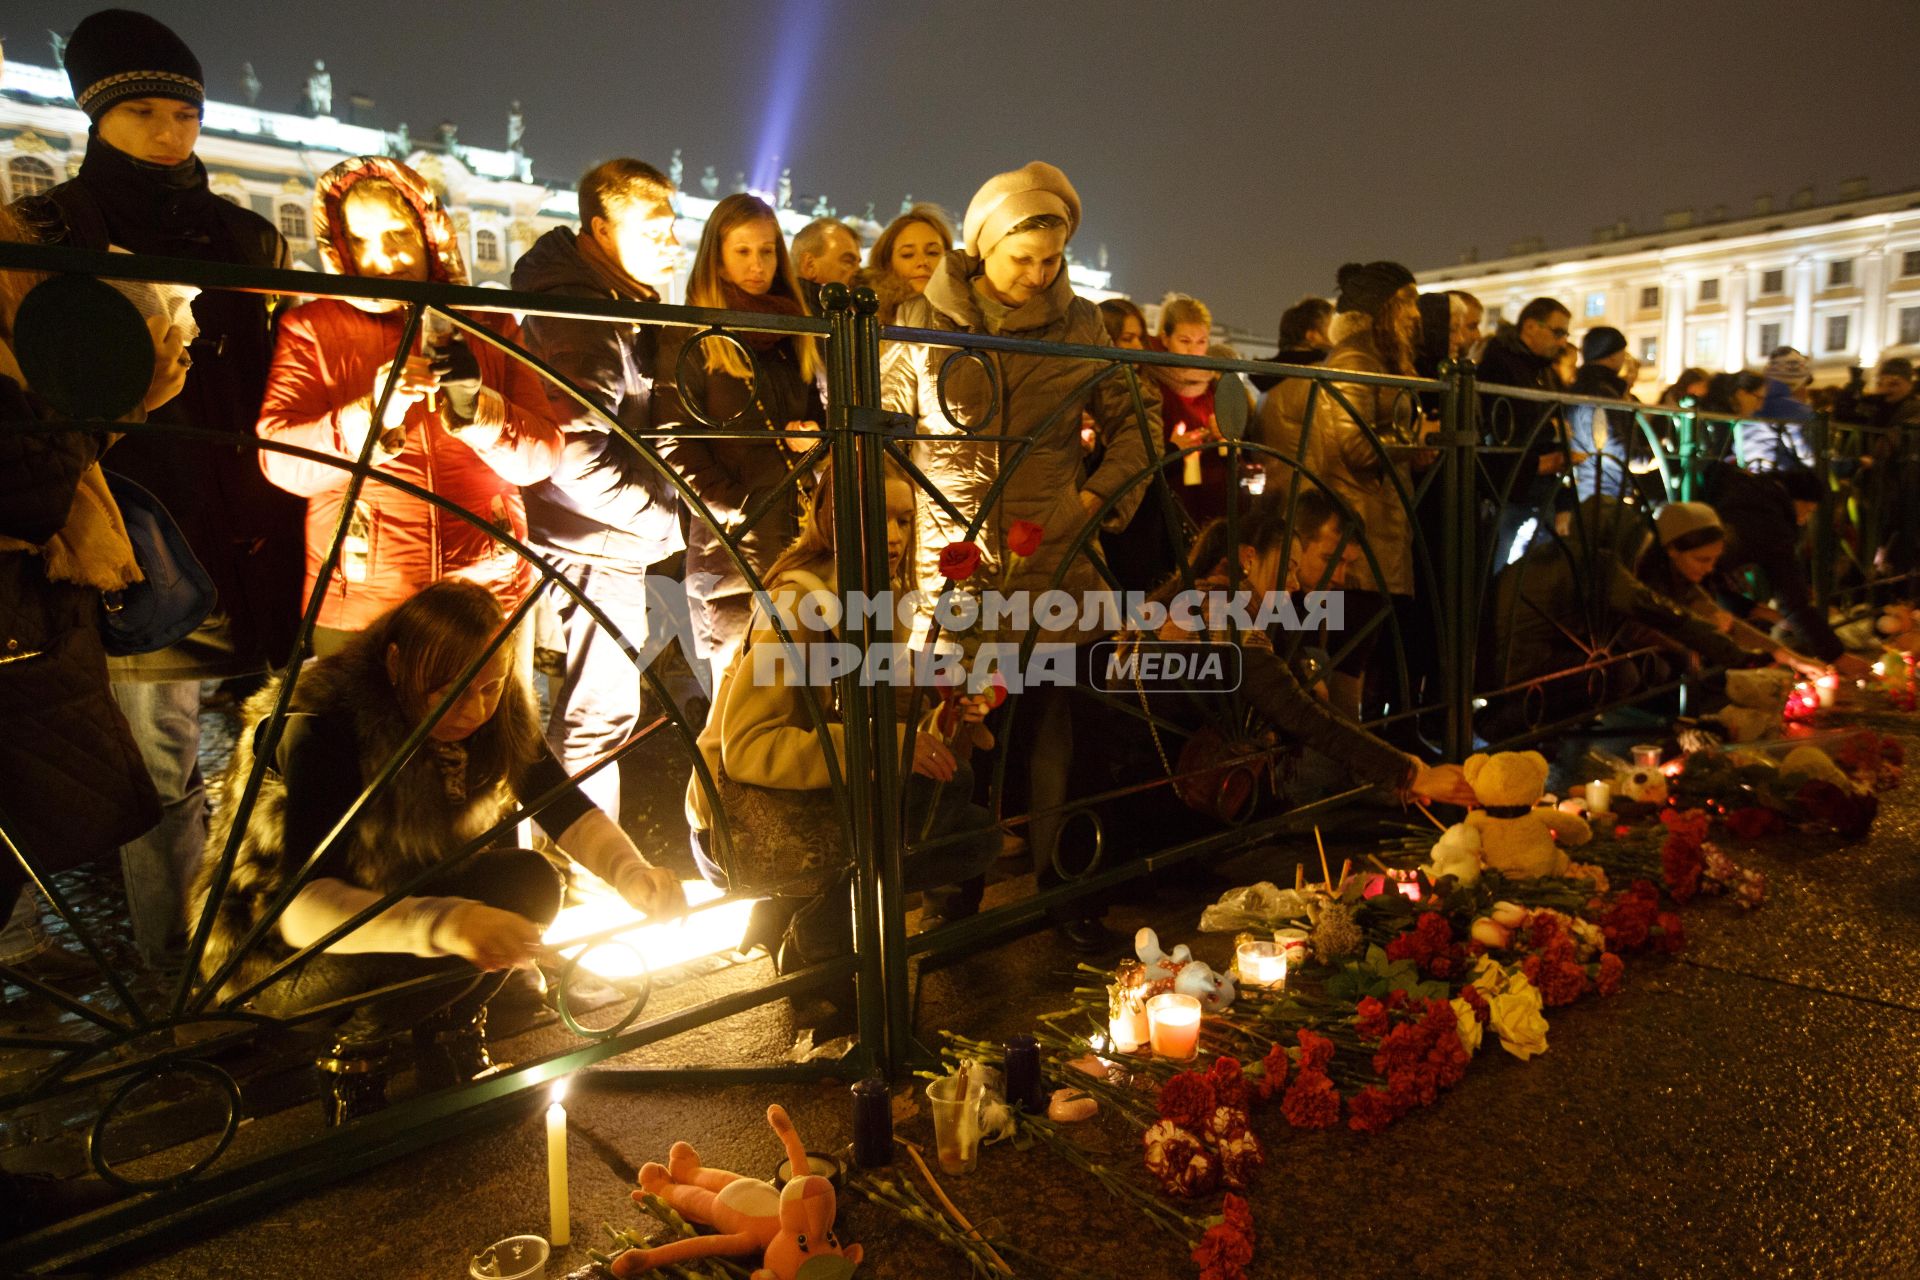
(1126,1020)
(559,1219)
(1825,689)
(1262,964)
(1599,798)
(1646,756)
(1173,1022)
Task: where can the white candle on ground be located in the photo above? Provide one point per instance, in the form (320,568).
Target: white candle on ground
(559,1218)
(1599,798)
(1262,964)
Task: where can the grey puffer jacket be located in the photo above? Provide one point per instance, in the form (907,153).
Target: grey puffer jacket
(1039,397)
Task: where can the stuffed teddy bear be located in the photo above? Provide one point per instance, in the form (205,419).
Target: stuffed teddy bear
(1456,853)
(1642,786)
(1755,699)
(1517,835)
(792,1229)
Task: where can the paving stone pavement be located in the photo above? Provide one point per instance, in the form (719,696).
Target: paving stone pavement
(1744,1110)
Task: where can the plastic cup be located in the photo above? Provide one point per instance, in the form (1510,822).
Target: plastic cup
(956,1124)
(515,1258)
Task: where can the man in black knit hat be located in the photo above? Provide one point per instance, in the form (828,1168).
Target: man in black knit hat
(141,188)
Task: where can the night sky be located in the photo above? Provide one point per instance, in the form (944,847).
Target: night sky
(1237,151)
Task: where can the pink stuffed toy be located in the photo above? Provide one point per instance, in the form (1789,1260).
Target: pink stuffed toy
(791,1229)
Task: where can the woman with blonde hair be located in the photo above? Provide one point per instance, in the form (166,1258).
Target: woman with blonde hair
(742,265)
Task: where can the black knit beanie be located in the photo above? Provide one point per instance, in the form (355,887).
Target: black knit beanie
(117,54)
(1602,341)
(1366,287)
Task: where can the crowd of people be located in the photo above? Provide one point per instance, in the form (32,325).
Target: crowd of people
(412,596)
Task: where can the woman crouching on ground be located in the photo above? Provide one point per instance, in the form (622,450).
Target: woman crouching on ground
(470,923)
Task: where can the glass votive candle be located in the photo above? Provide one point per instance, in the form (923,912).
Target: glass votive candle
(1599,798)
(1126,1020)
(1296,943)
(1646,756)
(1262,964)
(1173,1025)
(1825,689)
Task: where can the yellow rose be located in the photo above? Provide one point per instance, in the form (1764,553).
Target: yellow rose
(1490,977)
(1469,1022)
(1517,1020)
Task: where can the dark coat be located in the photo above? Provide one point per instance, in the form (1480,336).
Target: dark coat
(409,824)
(1762,533)
(604,501)
(1506,362)
(733,476)
(1579,593)
(245,531)
(75,788)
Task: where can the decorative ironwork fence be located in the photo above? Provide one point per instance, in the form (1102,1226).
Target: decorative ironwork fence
(1429,465)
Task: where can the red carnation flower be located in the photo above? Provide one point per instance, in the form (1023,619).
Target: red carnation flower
(1371,1021)
(1227,1247)
(1023,537)
(1475,997)
(1612,971)
(1178,1159)
(1316,1051)
(1311,1101)
(1273,1073)
(1673,934)
(1229,1083)
(959,560)
(1188,1100)
(1755,821)
(1370,1111)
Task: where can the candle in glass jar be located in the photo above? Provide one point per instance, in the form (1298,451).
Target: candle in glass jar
(1599,798)
(1262,964)
(1023,1074)
(1646,756)
(1173,1024)
(1295,943)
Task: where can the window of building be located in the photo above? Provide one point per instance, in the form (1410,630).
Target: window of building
(1910,263)
(1706,348)
(1910,326)
(1710,290)
(29,176)
(293,222)
(486,248)
(1649,351)
(1840,274)
(1596,305)
(1769,338)
(1839,330)
(1650,298)
(1773,281)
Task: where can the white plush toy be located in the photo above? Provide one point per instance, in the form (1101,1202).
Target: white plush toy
(1190,977)
(1456,853)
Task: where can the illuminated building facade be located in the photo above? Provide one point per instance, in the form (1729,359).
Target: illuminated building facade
(1838,281)
(268,161)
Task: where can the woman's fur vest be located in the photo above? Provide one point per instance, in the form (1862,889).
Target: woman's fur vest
(409,824)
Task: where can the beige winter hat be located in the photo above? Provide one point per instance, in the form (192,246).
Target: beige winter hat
(1009,199)
(1678,519)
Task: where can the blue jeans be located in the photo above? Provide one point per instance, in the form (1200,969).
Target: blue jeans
(160,866)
